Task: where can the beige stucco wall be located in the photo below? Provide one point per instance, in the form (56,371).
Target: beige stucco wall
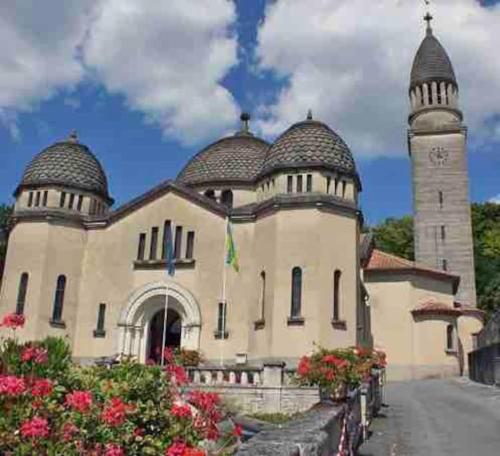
(416,346)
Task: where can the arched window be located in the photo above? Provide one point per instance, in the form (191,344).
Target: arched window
(262,294)
(336,294)
(227,198)
(59,298)
(450,339)
(21,294)
(210,194)
(296,292)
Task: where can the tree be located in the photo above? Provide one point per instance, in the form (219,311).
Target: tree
(396,236)
(5,213)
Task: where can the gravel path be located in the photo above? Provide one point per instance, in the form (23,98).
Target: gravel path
(452,417)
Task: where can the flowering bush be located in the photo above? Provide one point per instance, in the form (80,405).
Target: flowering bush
(50,406)
(332,370)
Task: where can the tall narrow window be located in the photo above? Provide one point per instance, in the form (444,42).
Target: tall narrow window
(62,201)
(299,184)
(222,320)
(45,198)
(336,294)
(450,342)
(30,199)
(142,246)
(210,194)
(153,247)
(190,245)
(71,200)
(344,186)
(441,199)
(37,199)
(309,183)
(296,292)
(262,295)
(227,198)
(289,184)
(167,227)
(101,315)
(328,184)
(80,203)
(444,264)
(336,187)
(92,206)
(59,298)
(21,293)
(178,242)
(443,232)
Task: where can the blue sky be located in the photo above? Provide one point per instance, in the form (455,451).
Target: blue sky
(141,144)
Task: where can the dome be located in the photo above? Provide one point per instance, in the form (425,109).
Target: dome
(234,159)
(431,63)
(309,144)
(67,163)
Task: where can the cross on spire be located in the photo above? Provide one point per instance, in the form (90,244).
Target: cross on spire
(428,17)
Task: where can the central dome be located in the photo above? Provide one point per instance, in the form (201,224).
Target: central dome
(235,159)
(309,144)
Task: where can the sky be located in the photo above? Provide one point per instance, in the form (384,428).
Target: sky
(148,84)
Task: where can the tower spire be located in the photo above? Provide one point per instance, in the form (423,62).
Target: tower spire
(428,18)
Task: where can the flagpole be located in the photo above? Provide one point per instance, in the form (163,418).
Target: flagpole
(224,280)
(164,336)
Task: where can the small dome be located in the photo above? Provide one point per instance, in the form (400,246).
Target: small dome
(235,159)
(309,144)
(431,63)
(67,163)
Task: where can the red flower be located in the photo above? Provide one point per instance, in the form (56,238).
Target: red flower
(38,354)
(42,387)
(13,321)
(37,427)
(181,411)
(12,385)
(68,431)
(334,361)
(113,450)
(237,430)
(176,449)
(115,413)
(177,374)
(138,432)
(79,400)
(194,452)
(304,367)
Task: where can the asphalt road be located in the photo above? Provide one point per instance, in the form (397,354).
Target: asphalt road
(453,417)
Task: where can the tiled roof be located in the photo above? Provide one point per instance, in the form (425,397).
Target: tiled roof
(237,158)
(309,143)
(67,163)
(433,307)
(431,63)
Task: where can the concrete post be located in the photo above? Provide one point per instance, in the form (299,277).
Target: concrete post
(273,373)
(272,382)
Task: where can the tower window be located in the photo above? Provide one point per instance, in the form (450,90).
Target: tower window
(309,183)
(450,337)
(299,184)
(62,201)
(45,197)
(328,184)
(141,247)
(422,97)
(441,199)
(289,184)
(444,264)
(296,292)
(443,232)
(227,198)
(80,203)
(37,199)
(221,332)
(21,294)
(30,199)
(71,200)
(336,294)
(59,298)
(210,194)
(190,244)
(344,186)
(167,232)
(262,294)
(153,247)
(178,241)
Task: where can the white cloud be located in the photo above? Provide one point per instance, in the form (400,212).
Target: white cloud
(350,60)
(168,58)
(495,199)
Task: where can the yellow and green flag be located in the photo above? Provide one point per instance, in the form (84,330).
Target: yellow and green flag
(231,254)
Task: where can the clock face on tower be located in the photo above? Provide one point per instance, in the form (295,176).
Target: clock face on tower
(438,155)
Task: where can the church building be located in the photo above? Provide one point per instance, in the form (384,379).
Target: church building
(154,272)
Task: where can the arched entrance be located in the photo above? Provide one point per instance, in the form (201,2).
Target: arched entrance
(141,322)
(156,336)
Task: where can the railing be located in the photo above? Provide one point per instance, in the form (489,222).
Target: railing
(216,376)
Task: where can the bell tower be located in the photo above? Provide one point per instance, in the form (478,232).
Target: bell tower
(437,141)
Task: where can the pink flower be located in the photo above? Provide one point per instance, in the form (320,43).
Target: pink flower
(181,411)
(304,367)
(115,413)
(177,374)
(37,427)
(37,354)
(237,430)
(12,385)
(42,387)
(68,431)
(113,450)
(13,321)
(176,449)
(79,400)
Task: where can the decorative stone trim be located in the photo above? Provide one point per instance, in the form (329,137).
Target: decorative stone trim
(99,333)
(218,335)
(295,321)
(57,324)
(339,324)
(162,264)
(259,324)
